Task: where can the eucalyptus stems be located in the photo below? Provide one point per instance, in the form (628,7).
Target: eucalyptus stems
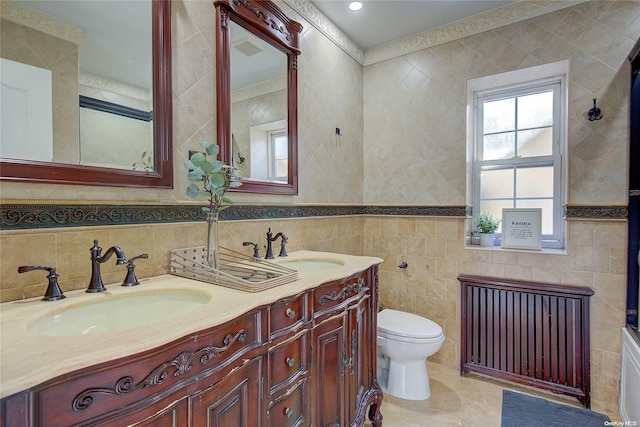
(212,178)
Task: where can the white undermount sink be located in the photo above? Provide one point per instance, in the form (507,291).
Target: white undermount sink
(118,313)
(304,265)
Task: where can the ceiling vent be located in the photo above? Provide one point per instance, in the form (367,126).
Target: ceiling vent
(248,45)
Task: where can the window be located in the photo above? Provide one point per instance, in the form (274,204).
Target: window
(278,155)
(269,151)
(517,145)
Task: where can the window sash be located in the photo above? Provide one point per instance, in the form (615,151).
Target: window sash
(273,137)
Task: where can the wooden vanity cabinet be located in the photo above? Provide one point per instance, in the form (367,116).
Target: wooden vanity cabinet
(306,360)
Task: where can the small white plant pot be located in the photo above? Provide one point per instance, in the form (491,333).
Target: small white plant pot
(487,239)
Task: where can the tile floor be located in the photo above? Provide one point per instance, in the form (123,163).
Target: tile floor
(457,401)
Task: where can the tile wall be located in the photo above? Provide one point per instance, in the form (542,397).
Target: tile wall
(415,105)
(33,47)
(68,248)
(435,252)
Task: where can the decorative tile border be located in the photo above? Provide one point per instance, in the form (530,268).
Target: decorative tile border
(597,212)
(237,212)
(448,211)
(37,216)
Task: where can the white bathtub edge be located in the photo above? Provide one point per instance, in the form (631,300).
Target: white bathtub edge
(629,404)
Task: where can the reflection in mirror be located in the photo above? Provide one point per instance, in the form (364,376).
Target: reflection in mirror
(258,107)
(257,49)
(107,67)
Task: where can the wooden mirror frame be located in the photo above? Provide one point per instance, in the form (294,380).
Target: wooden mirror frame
(265,20)
(162,175)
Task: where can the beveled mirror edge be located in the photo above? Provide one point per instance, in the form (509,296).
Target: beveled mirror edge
(267,21)
(162,176)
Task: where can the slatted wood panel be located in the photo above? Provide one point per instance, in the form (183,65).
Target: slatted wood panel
(535,334)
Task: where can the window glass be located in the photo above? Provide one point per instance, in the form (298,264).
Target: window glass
(534,182)
(281,166)
(535,110)
(535,142)
(547,212)
(497,184)
(494,207)
(278,154)
(499,146)
(281,146)
(499,116)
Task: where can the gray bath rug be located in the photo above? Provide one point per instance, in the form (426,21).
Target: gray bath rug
(521,410)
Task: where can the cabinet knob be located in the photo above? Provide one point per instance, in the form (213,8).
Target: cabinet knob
(288,412)
(290,313)
(291,361)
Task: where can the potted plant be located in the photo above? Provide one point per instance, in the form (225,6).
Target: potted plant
(212,178)
(487,225)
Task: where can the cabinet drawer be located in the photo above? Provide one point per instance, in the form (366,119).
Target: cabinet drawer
(337,295)
(291,409)
(288,314)
(287,362)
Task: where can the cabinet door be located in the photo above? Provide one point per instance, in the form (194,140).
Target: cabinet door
(174,416)
(361,348)
(329,371)
(233,402)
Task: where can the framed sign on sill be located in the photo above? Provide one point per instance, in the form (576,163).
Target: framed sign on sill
(521,228)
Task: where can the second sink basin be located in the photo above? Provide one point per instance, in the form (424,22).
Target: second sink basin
(304,265)
(119,313)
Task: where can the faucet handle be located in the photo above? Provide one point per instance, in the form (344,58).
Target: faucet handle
(131,279)
(256,250)
(283,242)
(53,292)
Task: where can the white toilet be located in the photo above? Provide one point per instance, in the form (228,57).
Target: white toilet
(405,341)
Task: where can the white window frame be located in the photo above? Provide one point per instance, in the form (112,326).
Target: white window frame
(510,84)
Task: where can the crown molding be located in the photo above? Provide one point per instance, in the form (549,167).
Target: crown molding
(520,11)
(40,21)
(259,89)
(326,27)
(104,83)
(467,27)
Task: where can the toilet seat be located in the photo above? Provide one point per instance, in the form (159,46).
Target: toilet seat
(408,327)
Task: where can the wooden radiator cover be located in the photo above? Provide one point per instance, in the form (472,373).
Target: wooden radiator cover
(535,334)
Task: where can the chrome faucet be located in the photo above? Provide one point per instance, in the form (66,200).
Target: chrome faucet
(96,285)
(271,238)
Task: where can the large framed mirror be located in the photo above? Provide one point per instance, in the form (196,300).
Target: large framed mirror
(103,72)
(257,94)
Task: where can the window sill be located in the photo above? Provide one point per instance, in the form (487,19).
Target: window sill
(545,251)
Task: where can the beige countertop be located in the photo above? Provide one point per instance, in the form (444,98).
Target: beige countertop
(28,359)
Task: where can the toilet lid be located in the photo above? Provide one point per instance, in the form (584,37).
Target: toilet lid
(403,324)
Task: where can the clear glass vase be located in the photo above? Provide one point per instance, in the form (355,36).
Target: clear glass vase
(211,248)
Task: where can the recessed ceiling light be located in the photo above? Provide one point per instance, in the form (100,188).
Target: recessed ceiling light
(355,5)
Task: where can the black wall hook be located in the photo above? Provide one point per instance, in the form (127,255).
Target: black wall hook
(594,113)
